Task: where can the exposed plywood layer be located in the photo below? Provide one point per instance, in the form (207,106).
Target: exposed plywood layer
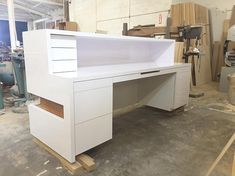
(52,107)
(179,47)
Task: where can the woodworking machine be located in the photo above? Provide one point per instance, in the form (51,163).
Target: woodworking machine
(230,55)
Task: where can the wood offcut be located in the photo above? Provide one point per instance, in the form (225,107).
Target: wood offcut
(226,147)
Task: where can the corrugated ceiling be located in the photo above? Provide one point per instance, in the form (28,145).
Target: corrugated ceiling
(29,10)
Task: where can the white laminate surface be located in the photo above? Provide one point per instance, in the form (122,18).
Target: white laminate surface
(97,72)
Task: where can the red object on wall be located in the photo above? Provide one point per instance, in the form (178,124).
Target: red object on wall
(160,19)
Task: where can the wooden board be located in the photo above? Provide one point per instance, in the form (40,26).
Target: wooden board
(188,14)
(51,107)
(179,47)
(233,167)
(232,20)
(75,168)
(220,61)
(214,61)
(86,161)
(226,147)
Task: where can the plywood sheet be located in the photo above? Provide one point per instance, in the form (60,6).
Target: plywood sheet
(214,61)
(232,20)
(179,47)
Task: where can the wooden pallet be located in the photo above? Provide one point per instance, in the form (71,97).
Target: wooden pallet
(83,162)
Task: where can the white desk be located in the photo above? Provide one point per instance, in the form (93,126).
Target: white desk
(91,76)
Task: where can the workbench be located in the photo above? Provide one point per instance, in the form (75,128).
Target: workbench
(82,78)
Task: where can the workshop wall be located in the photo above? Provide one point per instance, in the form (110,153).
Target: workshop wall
(108,15)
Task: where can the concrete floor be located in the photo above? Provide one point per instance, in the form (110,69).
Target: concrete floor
(145,142)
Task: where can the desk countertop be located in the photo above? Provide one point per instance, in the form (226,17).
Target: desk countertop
(106,71)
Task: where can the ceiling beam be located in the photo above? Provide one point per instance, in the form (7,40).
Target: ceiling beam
(49,2)
(27,9)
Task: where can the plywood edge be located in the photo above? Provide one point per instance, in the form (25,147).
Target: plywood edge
(52,107)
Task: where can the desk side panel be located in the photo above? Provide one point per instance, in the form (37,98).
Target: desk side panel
(182,86)
(55,132)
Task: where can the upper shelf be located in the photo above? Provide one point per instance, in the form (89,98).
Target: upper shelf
(99,49)
(67,51)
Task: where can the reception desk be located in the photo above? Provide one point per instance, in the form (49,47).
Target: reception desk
(82,78)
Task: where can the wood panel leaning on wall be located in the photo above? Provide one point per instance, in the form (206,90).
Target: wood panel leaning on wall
(193,14)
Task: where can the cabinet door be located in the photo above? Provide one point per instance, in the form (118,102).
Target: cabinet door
(92,133)
(182,87)
(92,99)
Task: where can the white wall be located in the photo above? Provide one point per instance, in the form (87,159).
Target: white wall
(109,15)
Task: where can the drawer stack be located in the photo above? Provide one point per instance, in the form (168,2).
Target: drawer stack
(93,113)
(63,54)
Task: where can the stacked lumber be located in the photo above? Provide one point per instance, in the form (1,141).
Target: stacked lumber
(188,14)
(194,14)
(218,56)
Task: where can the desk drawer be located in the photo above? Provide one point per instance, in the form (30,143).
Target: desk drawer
(92,133)
(63,54)
(60,41)
(144,74)
(93,84)
(64,66)
(91,104)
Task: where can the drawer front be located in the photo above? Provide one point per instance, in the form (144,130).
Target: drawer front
(59,41)
(92,133)
(91,104)
(64,66)
(63,54)
(93,84)
(141,75)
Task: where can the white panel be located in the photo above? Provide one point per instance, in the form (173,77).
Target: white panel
(107,9)
(93,103)
(106,50)
(63,54)
(94,84)
(62,41)
(51,130)
(182,87)
(142,74)
(64,66)
(93,133)
(158,91)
